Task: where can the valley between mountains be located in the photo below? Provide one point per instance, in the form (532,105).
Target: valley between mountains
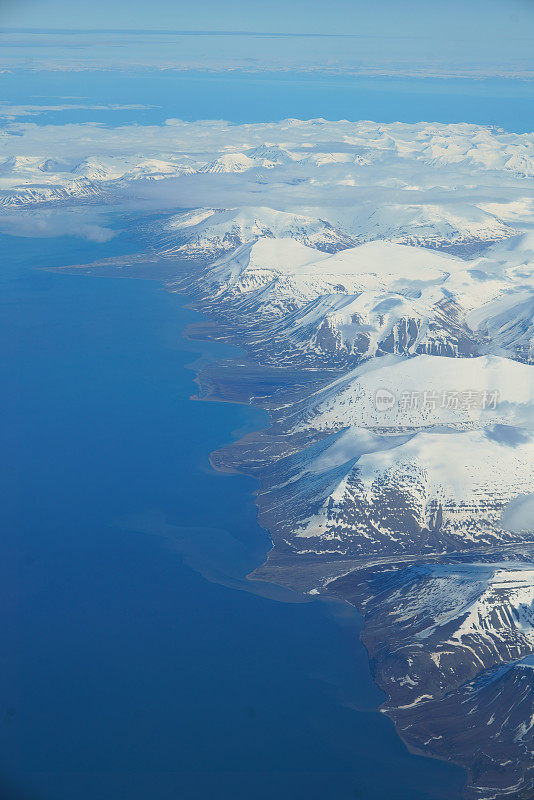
(379,280)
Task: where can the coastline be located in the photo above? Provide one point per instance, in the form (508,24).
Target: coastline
(261,573)
(266,579)
(302,575)
(235,381)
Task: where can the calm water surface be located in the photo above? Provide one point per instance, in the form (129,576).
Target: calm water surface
(126,673)
(240,97)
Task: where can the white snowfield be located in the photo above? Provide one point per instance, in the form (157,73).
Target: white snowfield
(281,275)
(375,262)
(450,223)
(421,392)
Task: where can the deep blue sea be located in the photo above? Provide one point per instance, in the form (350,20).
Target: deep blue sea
(265,97)
(134,663)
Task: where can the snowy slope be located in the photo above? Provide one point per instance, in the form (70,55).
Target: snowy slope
(436,491)
(209,233)
(232,162)
(507,324)
(467,599)
(270,153)
(423,391)
(344,329)
(276,282)
(455,225)
(452,647)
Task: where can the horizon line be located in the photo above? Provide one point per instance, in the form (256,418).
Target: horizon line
(200,32)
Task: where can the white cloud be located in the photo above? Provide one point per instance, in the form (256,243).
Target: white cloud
(518,515)
(50,223)
(13,111)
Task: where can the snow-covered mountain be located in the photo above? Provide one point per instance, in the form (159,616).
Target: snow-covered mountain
(455,227)
(99,169)
(35,195)
(507,324)
(270,154)
(231,162)
(343,329)
(357,493)
(465,612)
(208,233)
(362,301)
(421,455)
(486,726)
(452,645)
(271,278)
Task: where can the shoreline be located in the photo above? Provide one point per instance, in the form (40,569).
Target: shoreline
(234,458)
(252,577)
(269,573)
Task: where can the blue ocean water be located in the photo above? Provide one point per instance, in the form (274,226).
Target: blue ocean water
(134,663)
(241,97)
(125,672)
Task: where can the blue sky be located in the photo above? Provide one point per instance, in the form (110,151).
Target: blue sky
(467,19)
(402,37)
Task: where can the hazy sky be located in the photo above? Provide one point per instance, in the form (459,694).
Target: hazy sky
(462,19)
(402,37)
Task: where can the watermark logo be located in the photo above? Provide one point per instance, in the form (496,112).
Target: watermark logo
(385,399)
(431,400)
